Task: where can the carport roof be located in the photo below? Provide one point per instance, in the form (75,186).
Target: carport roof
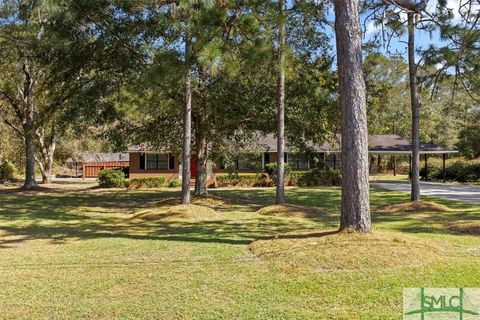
(377,144)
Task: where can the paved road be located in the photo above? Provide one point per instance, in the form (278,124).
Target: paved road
(465,193)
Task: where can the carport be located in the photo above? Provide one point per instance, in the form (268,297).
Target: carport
(394,145)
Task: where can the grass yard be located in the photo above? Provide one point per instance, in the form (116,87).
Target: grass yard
(76,252)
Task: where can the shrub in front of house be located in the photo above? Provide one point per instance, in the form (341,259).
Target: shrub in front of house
(8,172)
(318,177)
(174,183)
(111,179)
(271,169)
(147,183)
(264,180)
(236,180)
(315,177)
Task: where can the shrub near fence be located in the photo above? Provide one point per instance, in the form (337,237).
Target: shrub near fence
(111,179)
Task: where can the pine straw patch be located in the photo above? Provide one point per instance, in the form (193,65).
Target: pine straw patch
(172,208)
(178,212)
(413,207)
(346,251)
(467,227)
(288,210)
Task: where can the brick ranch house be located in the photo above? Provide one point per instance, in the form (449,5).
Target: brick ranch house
(145,162)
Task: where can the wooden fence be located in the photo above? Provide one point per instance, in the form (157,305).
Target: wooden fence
(91,169)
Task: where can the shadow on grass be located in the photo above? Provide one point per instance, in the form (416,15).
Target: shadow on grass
(83,215)
(217,231)
(64,216)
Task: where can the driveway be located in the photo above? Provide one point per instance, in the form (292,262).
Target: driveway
(464,193)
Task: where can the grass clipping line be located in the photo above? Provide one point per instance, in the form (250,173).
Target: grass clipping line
(346,251)
(172,208)
(288,210)
(413,207)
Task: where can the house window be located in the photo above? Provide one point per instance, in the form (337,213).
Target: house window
(157,161)
(250,161)
(297,161)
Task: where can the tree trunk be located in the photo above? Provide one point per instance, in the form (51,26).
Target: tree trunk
(47,149)
(379,164)
(29,129)
(280,199)
(355,212)
(29,161)
(47,172)
(412,67)
(187,123)
(202,160)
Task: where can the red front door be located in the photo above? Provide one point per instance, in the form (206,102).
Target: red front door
(193,169)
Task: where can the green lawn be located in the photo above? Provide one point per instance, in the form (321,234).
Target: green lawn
(78,254)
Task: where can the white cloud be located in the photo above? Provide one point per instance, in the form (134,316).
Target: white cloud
(371,28)
(454,5)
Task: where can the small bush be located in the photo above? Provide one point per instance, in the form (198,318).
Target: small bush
(8,172)
(150,182)
(174,183)
(111,179)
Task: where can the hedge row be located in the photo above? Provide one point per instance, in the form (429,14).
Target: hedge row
(315,177)
(116,179)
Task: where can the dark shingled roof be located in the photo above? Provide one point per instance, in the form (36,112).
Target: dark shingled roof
(144,147)
(387,143)
(89,157)
(377,144)
(391,143)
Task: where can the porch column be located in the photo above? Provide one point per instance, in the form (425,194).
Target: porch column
(444,156)
(394,165)
(410,167)
(426,166)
